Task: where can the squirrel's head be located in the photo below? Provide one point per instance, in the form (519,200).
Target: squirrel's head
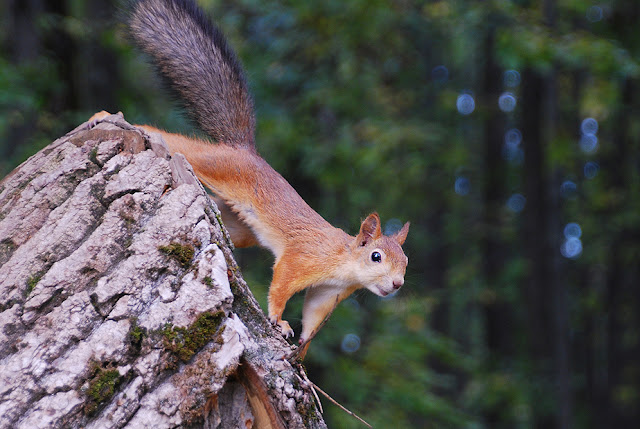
(382,263)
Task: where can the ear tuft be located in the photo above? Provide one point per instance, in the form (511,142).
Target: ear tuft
(401,235)
(370,229)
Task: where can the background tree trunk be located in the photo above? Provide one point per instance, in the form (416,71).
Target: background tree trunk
(120,302)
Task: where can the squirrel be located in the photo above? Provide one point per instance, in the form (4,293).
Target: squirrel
(258,206)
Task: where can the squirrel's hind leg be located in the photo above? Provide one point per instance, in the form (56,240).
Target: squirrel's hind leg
(240,233)
(97,117)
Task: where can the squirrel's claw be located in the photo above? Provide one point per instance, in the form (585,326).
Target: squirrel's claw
(286,329)
(284,326)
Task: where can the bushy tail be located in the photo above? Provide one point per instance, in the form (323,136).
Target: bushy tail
(193,55)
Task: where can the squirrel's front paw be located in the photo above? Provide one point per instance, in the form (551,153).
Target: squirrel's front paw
(284,326)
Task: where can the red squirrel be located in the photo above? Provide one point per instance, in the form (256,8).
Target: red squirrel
(258,205)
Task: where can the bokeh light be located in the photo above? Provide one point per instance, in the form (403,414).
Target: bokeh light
(511,150)
(588,143)
(511,78)
(465,104)
(571,248)
(392,226)
(568,189)
(591,169)
(513,136)
(594,14)
(350,343)
(462,185)
(507,102)
(572,230)
(589,126)
(440,74)
(516,203)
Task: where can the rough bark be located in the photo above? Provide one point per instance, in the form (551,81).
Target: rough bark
(120,302)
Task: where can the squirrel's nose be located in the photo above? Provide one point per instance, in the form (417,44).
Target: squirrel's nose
(397,284)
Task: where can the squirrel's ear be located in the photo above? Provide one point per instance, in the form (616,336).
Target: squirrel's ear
(401,235)
(369,230)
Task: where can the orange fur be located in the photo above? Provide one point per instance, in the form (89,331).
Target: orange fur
(257,205)
(262,208)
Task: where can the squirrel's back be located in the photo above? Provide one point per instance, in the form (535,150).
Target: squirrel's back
(196,61)
(194,58)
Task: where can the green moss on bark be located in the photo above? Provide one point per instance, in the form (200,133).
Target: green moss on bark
(185,342)
(102,386)
(183,253)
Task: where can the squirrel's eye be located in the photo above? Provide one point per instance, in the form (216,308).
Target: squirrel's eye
(376,257)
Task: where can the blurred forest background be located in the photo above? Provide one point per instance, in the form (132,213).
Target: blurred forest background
(503,130)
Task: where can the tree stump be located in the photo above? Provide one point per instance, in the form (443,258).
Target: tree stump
(120,302)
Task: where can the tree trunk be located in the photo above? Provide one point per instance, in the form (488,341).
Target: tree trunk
(538,288)
(497,312)
(120,302)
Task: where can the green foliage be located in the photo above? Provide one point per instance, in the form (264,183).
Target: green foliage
(404,389)
(353,110)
